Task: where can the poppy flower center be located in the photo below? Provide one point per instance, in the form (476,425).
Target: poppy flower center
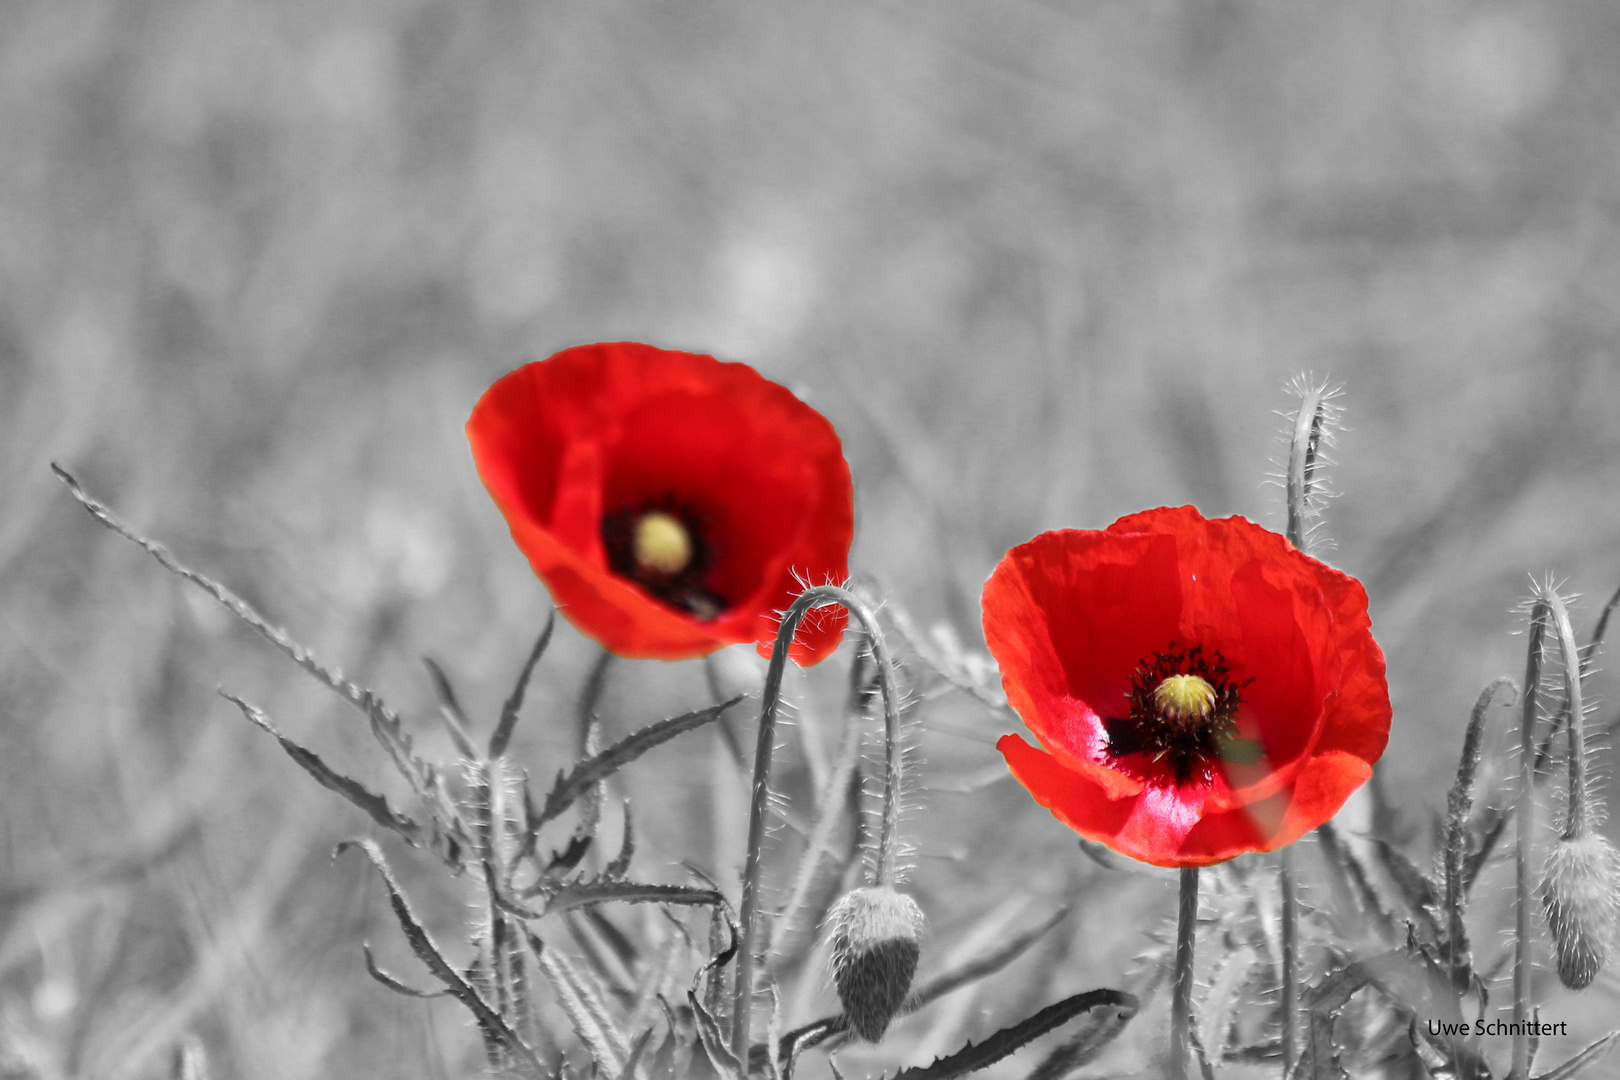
(660,544)
(1185,697)
(664,549)
(1183,715)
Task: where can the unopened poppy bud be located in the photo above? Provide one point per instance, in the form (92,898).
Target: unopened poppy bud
(1580,890)
(875,944)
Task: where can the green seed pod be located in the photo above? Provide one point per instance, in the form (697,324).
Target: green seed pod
(1580,890)
(875,943)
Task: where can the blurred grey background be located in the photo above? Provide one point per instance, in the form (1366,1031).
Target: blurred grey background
(1042,264)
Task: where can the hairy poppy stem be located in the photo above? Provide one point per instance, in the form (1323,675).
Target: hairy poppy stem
(1579,820)
(1181,990)
(1304,451)
(883,869)
(1526,814)
(1313,426)
(1290,951)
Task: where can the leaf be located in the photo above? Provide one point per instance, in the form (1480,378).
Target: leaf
(637,1048)
(1415,886)
(1460,799)
(561,863)
(490,1021)
(1580,1061)
(502,734)
(602,891)
(385,724)
(1009,1040)
(1346,863)
(654,976)
(1416,986)
(450,710)
(584,1007)
(627,848)
(391,982)
(714,1042)
(1231,974)
(375,806)
(595,769)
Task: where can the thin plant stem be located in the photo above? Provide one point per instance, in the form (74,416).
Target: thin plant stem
(883,867)
(1290,951)
(1526,814)
(1181,990)
(1303,450)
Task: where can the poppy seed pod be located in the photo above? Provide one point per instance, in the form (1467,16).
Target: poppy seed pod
(1580,891)
(875,944)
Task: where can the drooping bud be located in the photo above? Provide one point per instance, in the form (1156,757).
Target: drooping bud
(1580,883)
(875,944)
(1580,890)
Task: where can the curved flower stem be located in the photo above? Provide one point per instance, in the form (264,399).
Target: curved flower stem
(1181,989)
(1579,820)
(883,868)
(1526,814)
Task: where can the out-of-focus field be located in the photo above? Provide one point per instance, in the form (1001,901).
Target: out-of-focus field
(1042,264)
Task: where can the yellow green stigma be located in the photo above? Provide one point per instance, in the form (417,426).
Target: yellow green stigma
(660,544)
(1182,719)
(1184,697)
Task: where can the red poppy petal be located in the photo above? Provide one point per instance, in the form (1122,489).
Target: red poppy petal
(595,429)
(609,608)
(1068,616)
(1320,788)
(1073,797)
(1357,717)
(1295,631)
(1261,609)
(1151,826)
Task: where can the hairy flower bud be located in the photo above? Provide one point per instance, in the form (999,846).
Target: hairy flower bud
(1580,890)
(875,943)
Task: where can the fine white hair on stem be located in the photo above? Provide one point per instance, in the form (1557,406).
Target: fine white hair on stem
(1301,461)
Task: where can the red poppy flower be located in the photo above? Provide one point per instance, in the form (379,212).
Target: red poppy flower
(670,502)
(1200,688)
